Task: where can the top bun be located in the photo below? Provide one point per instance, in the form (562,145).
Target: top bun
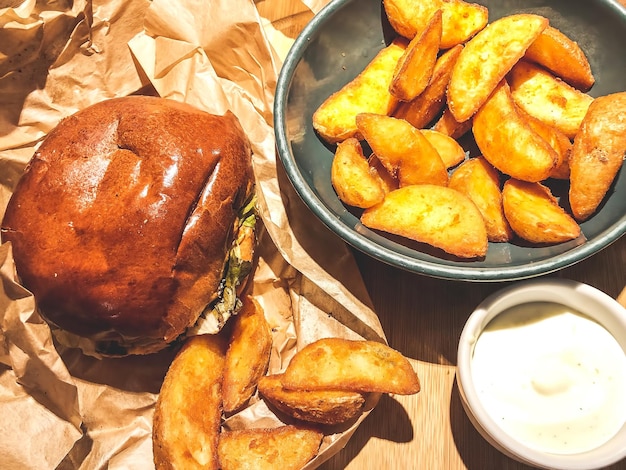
(123,219)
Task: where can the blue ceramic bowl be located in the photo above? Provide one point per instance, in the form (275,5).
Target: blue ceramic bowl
(339,42)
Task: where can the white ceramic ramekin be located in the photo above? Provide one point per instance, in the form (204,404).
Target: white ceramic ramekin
(581,297)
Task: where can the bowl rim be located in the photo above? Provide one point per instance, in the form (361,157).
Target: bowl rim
(381,253)
(477,414)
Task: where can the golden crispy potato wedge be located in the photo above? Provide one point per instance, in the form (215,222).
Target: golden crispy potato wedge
(436,215)
(350,365)
(448,125)
(248,355)
(415,67)
(188,411)
(561,171)
(480,181)
(563,57)
(598,153)
(448,149)
(556,139)
(284,447)
(461,20)
(508,142)
(487,58)
(535,215)
(541,94)
(387,181)
(334,119)
(318,406)
(427,105)
(402,149)
(355,183)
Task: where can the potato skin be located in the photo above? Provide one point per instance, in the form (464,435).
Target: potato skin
(368,92)
(480,181)
(437,215)
(498,124)
(328,407)
(355,182)
(461,20)
(553,101)
(351,365)
(248,355)
(534,214)
(449,150)
(563,57)
(402,149)
(556,139)
(285,448)
(487,58)
(427,105)
(415,68)
(597,154)
(190,404)
(447,124)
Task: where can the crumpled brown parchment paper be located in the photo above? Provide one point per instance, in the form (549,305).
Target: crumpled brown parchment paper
(58,407)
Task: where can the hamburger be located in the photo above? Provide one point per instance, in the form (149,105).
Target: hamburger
(134,221)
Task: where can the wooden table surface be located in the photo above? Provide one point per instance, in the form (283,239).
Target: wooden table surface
(423,318)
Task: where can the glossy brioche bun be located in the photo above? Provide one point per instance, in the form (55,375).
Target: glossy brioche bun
(122,221)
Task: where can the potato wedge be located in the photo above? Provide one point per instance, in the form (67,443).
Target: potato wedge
(436,215)
(508,142)
(284,448)
(460,21)
(448,125)
(448,149)
(422,110)
(563,57)
(334,119)
(189,407)
(535,215)
(598,154)
(402,149)
(248,355)
(562,171)
(542,95)
(328,407)
(487,58)
(350,365)
(415,67)
(556,139)
(355,183)
(387,181)
(480,181)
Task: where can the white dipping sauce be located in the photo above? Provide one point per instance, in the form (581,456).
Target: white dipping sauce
(551,377)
